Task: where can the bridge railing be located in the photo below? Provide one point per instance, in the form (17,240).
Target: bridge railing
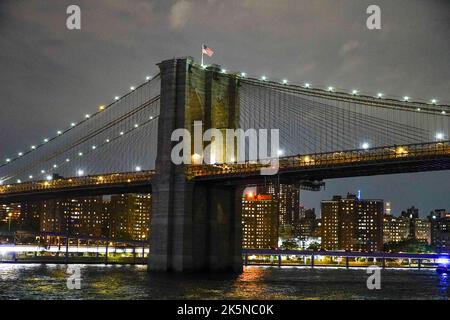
(73,182)
(331,159)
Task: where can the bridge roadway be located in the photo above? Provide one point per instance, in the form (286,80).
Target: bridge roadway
(376,161)
(385,160)
(116,183)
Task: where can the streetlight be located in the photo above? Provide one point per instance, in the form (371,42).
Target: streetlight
(439,136)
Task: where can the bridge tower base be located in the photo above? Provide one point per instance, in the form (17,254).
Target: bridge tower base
(194,227)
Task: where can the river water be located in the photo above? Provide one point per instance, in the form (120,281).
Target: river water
(39,281)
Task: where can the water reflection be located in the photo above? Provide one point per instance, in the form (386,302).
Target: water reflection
(133,282)
(249,285)
(443,285)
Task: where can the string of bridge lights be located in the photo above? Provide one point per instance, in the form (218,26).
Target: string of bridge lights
(93,148)
(354,92)
(365,145)
(73,125)
(101,108)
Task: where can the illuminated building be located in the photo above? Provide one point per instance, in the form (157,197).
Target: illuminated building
(83,216)
(30,215)
(370,225)
(10,214)
(289,201)
(395,229)
(123,216)
(10,211)
(259,222)
(130,216)
(50,216)
(422,231)
(352,224)
(330,227)
(419,229)
(307,225)
(440,229)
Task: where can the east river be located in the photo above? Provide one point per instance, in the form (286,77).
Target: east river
(39,281)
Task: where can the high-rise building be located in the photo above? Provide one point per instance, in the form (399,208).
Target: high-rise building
(124,216)
(352,224)
(83,216)
(51,219)
(440,229)
(348,223)
(130,216)
(259,221)
(395,229)
(330,223)
(288,196)
(422,230)
(370,225)
(307,225)
(30,215)
(10,214)
(411,214)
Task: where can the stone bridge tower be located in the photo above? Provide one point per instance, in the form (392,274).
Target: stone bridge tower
(194,226)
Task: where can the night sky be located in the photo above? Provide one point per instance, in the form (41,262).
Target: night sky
(51,76)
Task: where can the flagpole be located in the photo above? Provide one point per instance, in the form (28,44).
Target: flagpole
(202,54)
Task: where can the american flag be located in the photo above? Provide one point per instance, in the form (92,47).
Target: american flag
(208,51)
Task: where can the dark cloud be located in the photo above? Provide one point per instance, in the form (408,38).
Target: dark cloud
(50,75)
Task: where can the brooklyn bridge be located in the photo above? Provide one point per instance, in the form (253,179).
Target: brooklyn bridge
(196,224)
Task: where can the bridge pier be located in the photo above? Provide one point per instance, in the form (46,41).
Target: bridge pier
(202,233)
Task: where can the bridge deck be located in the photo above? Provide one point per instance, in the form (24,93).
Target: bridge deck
(116,182)
(393,159)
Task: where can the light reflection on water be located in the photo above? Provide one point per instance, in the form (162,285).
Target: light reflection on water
(39,281)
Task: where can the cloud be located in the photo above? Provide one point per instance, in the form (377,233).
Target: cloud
(180,14)
(348,47)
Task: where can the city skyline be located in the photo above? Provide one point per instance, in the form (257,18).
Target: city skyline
(384,188)
(312,199)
